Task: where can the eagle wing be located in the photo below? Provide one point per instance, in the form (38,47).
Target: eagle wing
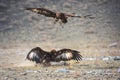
(36,54)
(73,15)
(43,11)
(67,54)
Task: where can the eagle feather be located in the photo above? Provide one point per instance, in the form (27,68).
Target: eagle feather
(40,56)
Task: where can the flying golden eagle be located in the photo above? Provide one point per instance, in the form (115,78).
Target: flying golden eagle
(40,56)
(57,15)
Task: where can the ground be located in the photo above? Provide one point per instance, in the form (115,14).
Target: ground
(13,66)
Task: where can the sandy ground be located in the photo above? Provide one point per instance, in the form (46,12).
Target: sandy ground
(13,66)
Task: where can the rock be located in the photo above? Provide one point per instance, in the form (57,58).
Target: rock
(117,58)
(113,44)
(111,58)
(118,78)
(24,74)
(119,70)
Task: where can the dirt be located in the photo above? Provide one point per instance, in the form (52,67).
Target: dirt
(13,66)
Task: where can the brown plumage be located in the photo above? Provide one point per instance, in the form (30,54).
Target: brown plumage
(37,55)
(66,55)
(40,56)
(62,55)
(57,15)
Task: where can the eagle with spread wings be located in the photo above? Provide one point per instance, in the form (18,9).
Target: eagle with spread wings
(40,56)
(58,16)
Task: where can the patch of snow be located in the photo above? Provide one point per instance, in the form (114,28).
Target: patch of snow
(89,58)
(64,70)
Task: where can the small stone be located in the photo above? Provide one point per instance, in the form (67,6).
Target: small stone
(117,58)
(113,44)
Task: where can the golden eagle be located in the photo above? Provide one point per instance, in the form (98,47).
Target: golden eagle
(57,15)
(40,56)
